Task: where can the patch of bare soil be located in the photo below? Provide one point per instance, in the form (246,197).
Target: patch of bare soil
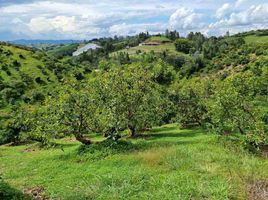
(29,149)
(258,190)
(35,193)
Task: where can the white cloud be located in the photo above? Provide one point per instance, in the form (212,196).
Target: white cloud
(78,20)
(132,29)
(222,11)
(85,19)
(59,24)
(240,2)
(253,15)
(184,18)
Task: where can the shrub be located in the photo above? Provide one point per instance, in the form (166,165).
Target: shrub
(183,45)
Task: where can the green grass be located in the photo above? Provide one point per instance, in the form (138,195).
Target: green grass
(168,164)
(256,39)
(28,64)
(64,50)
(158,39)
(169,48)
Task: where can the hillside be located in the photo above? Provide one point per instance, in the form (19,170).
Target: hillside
(185,119)
(16,61)
(161,39)
(169,48)
(63,50)
(26,77)
(256,39)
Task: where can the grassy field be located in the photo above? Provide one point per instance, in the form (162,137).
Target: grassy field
(256,39)
(169,163)
(168,47)
(158,39)
(64,50)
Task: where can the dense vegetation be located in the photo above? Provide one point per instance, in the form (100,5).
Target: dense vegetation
(217,85)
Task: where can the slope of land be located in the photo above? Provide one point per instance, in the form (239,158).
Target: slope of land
(64,50)
(169,163)
(256,39)
(169,48)
(15,61)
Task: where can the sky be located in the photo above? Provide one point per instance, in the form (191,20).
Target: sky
(87,19)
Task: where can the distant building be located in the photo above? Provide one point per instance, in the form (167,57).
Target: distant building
(150,44)
(89,46)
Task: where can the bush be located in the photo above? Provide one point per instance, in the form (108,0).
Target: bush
(183,45)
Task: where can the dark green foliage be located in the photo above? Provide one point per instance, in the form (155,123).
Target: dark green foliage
(40,81)
(172,35)
(176,61)
(16,64)
(130,100)
(13,91)
(14,126)
(79,76)
(21,56)
(210,48)
(38,97)
(198,40)
(183,45)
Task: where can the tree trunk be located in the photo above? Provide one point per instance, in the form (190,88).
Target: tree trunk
(242,132)
(79,137)
(132,131)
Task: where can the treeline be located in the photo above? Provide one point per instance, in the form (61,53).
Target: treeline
(200,54)
(262,32)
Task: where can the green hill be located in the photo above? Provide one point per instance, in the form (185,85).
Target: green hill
(18,61)
(161,39)
(63,50)
(168,47)
(254,39)
(27,75)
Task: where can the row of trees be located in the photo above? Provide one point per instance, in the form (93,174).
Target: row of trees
(225,107)
(135,98)
(116,100)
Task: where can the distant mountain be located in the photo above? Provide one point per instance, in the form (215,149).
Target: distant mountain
(46,42)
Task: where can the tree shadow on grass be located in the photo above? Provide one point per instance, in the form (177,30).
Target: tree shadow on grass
(155,138)
(64,145)
(102,150)
(8,192)
(154,135)
(164,128)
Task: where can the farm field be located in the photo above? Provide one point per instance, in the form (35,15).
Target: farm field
(168,47)
(167,163)
(256,39)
